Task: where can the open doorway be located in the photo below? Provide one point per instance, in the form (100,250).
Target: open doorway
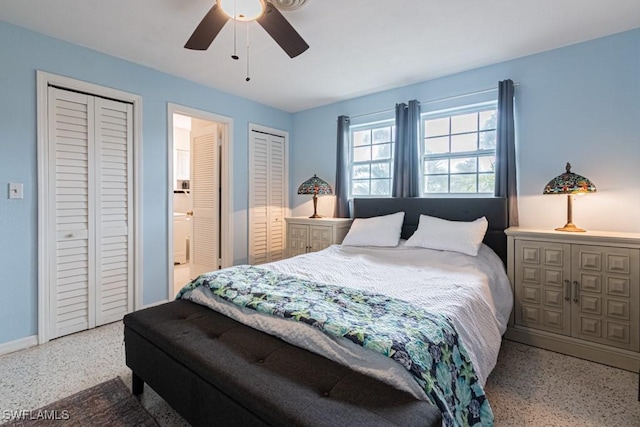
(199,202)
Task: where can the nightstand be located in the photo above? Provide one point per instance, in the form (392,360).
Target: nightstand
(577,293)
(306,235)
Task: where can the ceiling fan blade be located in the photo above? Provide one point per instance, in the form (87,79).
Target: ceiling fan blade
(282,32)
(208,29)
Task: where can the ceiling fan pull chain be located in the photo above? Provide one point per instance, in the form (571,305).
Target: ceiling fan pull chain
(235,32)
(248,78)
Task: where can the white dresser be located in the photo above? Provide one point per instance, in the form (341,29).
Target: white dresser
(314,234)
(577,293)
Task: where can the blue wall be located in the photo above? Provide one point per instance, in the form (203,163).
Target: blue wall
(23,52)
(579,103)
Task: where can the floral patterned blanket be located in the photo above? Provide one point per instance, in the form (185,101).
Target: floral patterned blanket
(426,344)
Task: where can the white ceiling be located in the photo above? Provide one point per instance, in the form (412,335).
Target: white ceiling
(357,46)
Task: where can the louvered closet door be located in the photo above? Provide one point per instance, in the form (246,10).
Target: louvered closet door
(90,169)
(258,199)
(114,240)
(277,230)
(267,197)
(205,190)
(72,274)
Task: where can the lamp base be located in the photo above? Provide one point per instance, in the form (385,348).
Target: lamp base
(571,227)
(315,207)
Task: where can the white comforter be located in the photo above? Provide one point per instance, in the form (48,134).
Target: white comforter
(473,291)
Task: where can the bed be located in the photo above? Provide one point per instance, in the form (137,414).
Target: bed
(178,348)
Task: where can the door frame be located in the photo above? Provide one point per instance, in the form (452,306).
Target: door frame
(226,184)
(43,81)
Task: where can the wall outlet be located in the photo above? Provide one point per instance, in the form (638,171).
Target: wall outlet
(16,190)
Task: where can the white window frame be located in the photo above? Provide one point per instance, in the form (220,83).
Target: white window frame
(450,112)
(352,163)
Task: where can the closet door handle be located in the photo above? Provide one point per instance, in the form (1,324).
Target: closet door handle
(575,291)
(567,290)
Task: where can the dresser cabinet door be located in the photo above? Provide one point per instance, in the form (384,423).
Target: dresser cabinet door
(542,287)
(605,300)
(298,238)
(321,237)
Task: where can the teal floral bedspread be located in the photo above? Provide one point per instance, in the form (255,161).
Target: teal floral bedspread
(426,344)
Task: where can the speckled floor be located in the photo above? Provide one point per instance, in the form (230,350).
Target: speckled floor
(37,376)
(529,386)
(535,387)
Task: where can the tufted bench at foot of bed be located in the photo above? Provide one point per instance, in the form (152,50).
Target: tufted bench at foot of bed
(215,371)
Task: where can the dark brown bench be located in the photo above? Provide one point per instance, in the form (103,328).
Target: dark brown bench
(215,371)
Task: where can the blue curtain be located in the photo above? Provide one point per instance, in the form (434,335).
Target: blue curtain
(342,169)
(406,162)
(506,184)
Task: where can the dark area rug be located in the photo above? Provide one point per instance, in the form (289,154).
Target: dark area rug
(108,404)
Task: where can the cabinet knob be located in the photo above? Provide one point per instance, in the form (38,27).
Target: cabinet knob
(189,213)
(70,235)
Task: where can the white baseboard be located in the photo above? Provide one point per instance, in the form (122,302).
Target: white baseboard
(21,344)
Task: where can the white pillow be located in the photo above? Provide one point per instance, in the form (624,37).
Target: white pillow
(377,231)
(444,235)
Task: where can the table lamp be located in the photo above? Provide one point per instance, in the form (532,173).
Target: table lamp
(569,183)
(315,186)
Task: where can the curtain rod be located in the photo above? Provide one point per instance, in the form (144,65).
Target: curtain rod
(477,92)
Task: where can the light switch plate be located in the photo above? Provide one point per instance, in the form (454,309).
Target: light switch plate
(16,190)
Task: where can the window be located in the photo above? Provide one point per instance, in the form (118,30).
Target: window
(372,159)
(459,151)
(457,146)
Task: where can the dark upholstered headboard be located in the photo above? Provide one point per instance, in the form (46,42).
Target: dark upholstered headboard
(454,209)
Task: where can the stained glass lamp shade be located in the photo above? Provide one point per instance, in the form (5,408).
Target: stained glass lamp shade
(569,183)
(315,186)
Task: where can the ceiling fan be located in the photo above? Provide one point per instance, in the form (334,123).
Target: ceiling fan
(261,11)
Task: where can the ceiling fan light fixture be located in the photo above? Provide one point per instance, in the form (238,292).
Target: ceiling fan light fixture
(243,10)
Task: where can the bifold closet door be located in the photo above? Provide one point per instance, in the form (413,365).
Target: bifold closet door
(72,255)
(277,199)
(114,210)
(90,280)
(267,197)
